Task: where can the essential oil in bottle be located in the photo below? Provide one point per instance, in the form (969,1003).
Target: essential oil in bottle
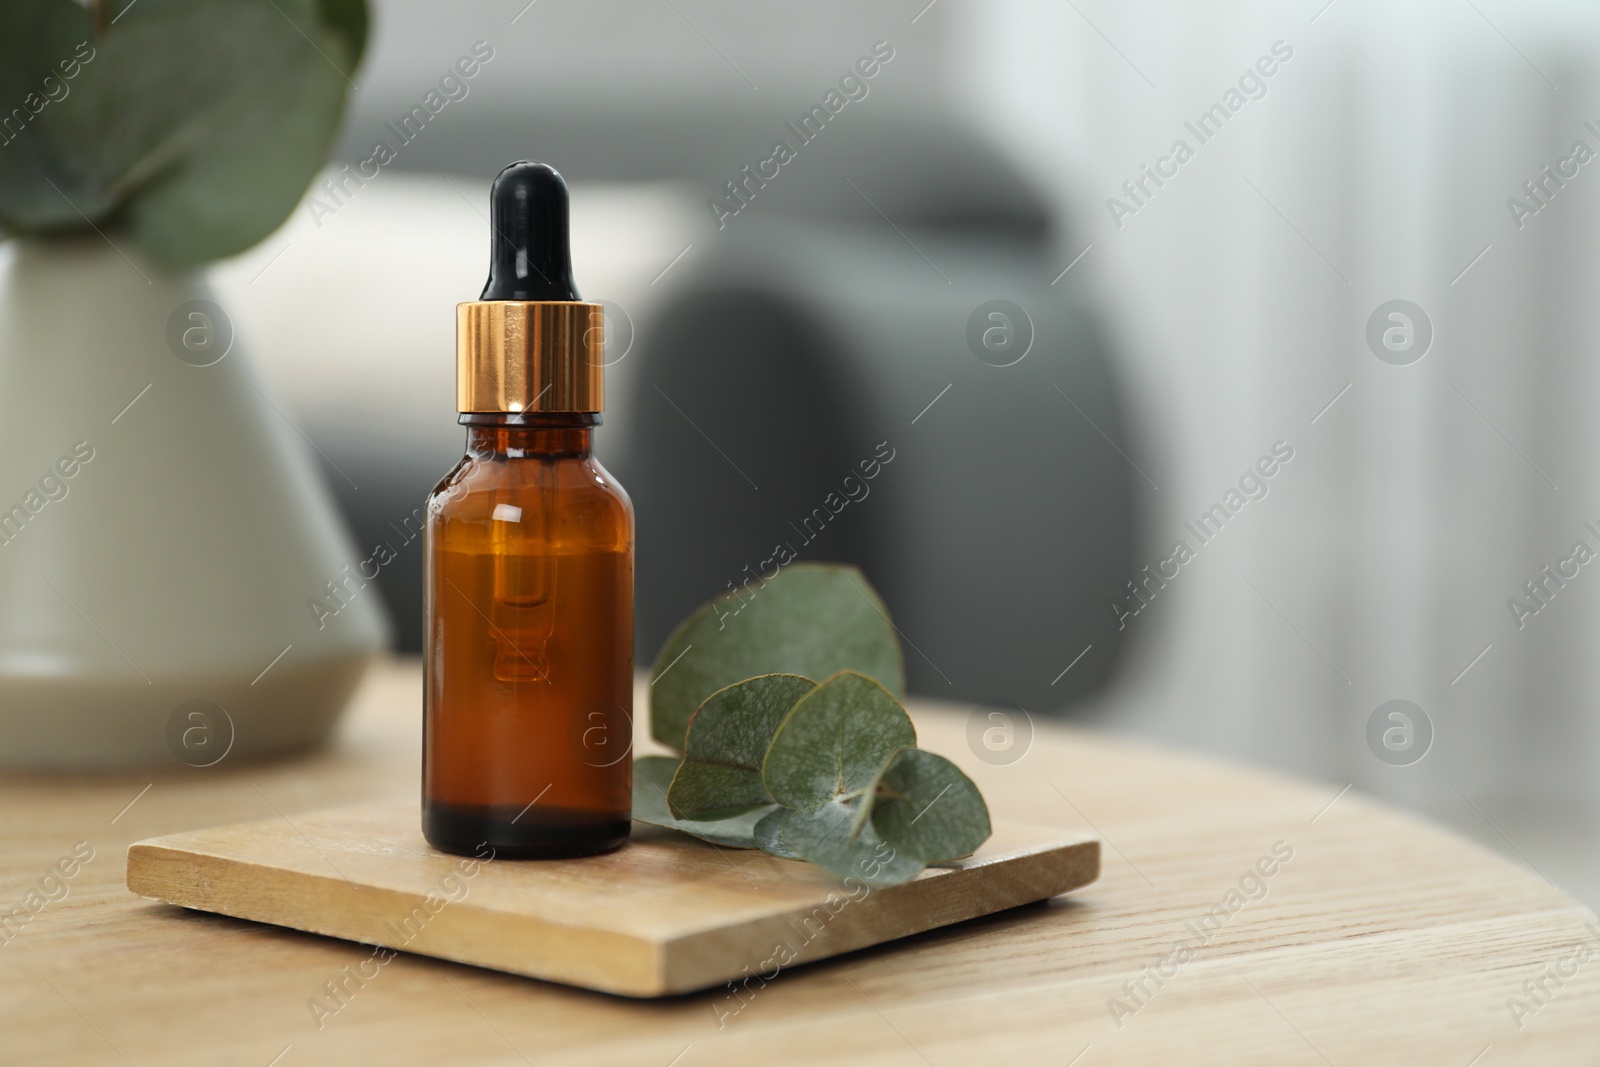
(528,690)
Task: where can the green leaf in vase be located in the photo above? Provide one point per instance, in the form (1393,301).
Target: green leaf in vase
(194,127)
(43,45)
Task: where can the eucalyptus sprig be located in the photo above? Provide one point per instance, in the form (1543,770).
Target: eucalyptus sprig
(827,772)
(192,127)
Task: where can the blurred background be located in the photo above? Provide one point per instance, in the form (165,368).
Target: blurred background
(990,261)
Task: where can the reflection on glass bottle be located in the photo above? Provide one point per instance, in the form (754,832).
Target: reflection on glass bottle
(522,608)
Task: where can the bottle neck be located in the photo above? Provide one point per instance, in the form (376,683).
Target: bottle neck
(516,435)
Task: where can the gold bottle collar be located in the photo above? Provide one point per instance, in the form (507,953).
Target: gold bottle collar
(530,355)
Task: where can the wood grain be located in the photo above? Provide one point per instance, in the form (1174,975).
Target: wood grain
(1384,940)
(666,914)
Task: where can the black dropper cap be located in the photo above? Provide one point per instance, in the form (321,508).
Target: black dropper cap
(529,253)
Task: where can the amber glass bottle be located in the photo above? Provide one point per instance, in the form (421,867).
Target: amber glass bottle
(527,721)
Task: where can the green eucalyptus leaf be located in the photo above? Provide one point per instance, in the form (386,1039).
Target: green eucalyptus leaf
(242,165)
(769,835)
(651,777)
(811,619)
(348,19)
(728,738)
(196,126)
(35,37)
(927,809)
(40,43)
(827,773)
(834,741)
(823,836)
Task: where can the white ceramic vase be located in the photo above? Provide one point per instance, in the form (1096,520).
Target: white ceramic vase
(162,529)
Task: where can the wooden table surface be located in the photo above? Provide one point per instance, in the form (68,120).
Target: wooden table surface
(1376,938)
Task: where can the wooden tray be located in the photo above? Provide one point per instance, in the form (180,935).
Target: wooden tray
(665,914)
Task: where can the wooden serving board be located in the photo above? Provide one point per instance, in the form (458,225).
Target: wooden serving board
(665,914)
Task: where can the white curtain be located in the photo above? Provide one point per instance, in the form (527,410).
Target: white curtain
(1377,166)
